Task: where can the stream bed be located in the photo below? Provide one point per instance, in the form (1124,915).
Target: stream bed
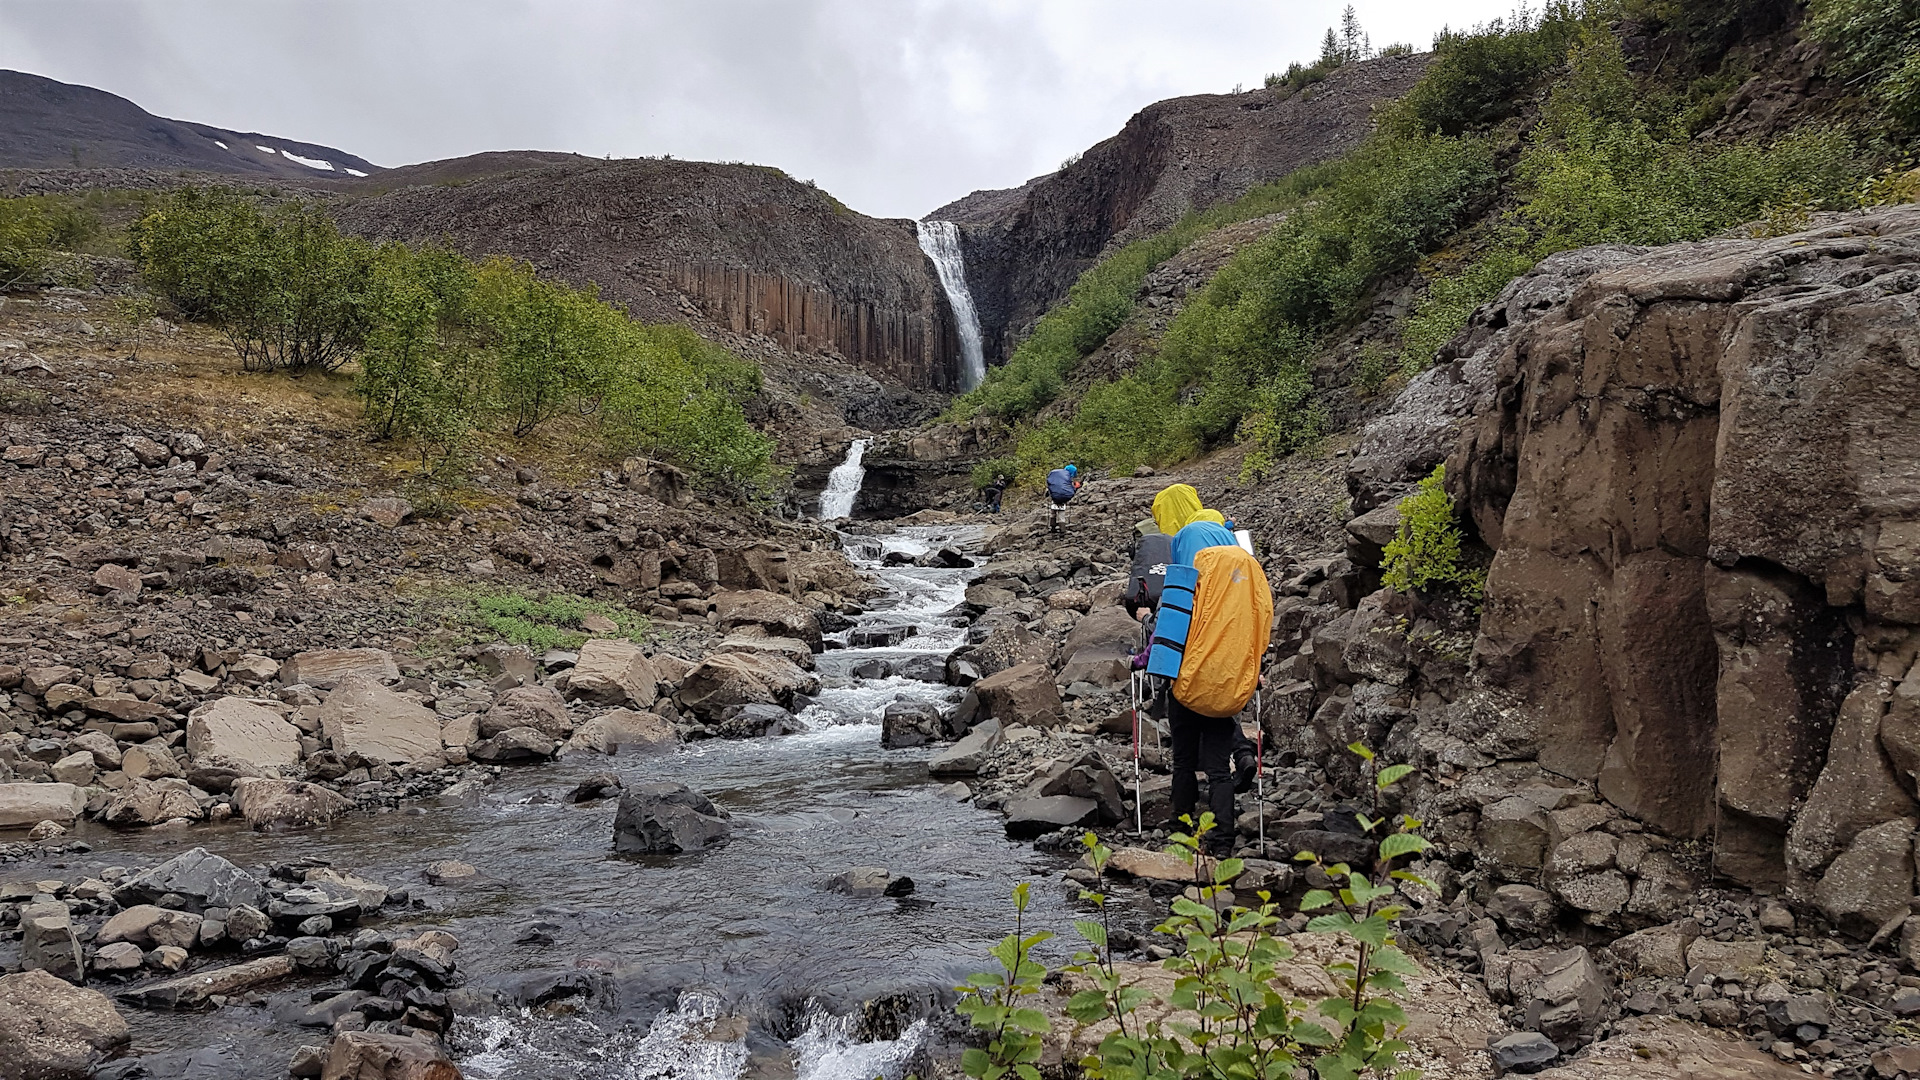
(737,961)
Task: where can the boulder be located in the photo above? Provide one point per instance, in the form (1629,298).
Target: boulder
(148,926)
(667,819)
(967,756)
(777,615)
(501,658)
(723,680)
(612,731)
(200,877)
(325,669)
(285,804)
(52,1030)
(538,707)
(48,943)
(150,802)
(909,723)
(1658,950)
(1024,694)
(863,881)
(1872,881)
(197,988)
(77,768)
(387,511)
(238,730)
(1571,1000)
(149,761)
(516,744)
(1036,816)
(1513,834)
(792,650)
(1523,909)
(362,1055)
(610,671)
(367,722)
(1521,1052)
(26,805)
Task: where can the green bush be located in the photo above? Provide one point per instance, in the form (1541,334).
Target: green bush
(1425,552)
(1453,297)
(1485,75)
(538,621)
(1874,45)
(25,235)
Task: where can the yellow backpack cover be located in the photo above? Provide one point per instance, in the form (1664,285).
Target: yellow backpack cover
(1232,623)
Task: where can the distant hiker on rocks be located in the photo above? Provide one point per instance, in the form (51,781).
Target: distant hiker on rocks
(1062,485)
(1216,613)
(995,491)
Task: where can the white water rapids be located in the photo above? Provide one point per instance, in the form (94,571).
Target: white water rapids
(843,483)
(941,241)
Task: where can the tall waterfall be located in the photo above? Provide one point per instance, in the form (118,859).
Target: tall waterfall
(843,483)
(941,241)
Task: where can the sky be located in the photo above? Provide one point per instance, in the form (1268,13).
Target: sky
(895,106)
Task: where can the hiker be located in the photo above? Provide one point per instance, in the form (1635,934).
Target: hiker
(994,491)
(1209,639)
(1062,485)
(1151,551)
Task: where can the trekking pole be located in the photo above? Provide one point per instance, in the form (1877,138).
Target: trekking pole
(1260,767)
(1139,810)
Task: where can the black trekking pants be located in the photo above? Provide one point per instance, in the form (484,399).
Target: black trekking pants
(1203,744)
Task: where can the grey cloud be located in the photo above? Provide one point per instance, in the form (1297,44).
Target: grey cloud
(896,106)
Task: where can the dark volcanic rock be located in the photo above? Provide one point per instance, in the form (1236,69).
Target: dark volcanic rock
(667,819)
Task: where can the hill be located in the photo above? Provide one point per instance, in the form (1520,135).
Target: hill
(46,124)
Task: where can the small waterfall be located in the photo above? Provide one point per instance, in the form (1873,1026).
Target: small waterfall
(941,241)
(843,483)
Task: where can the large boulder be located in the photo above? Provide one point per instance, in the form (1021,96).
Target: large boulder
(776,615)
(199,877)
(238,730)
(363,1055)
(53,1030)
(618,729)
(516,744)
(150,802)
(538,707)
(969,755)
(909,723)
(1872,881)
(26,805)
(1025,694)
(613,672)
(327,668)
(724,680)
(48,942)
(367,722)
(667,819)
(286,804)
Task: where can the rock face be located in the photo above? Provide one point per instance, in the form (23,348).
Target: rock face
(237,730)
(667,819)
(1699,468)
(367,721)
(1026,246)
(51,1030)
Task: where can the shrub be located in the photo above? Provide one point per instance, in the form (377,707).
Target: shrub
(25,234)
(1425,552)
(538,621)
(1482,76)
(1874,45)
(1229,1016)
(1453,297)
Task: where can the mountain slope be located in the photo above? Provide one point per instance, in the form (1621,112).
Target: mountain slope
(1026,246)
(46,124)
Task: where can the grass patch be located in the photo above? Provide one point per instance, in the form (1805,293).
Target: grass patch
(540,621)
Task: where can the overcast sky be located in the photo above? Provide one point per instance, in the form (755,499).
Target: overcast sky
(896,106)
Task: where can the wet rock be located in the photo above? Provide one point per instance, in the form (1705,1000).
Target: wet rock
(276,804)
(861,881)
(878,637)
(360,1055)
(151,802)
(200,878)
(537,707)
(516,744)
(368,722)
(24,805)
(1522,1052)
(193,990)
(927,668)
(239,730)
(610,732)
(603,785)
(724,680)
(1029,818)
(967,756)
(667,819)
(48,943)
(1024,694)
(792,650)
(450,872)
(51,1030)
(754,721)
(909,723)
(148,926)
(326,669)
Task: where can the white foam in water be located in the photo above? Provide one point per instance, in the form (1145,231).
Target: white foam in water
(826,1051)
(843,483)
(941,241)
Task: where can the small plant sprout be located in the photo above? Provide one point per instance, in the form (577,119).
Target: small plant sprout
(995,1003)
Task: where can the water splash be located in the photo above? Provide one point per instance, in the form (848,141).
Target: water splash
(827,1050)
(941,241)
(843,483)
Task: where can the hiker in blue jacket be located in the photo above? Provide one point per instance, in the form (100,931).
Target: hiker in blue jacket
(1062,485)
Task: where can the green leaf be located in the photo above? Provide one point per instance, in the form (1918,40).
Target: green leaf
(1392,775)
(1361,749)
(1021,895)
(1094,933)
(1373,930)
(975,1062)
(1399,844)
(1227,870)
(1388,958)
(1032,1021)
(1315,899)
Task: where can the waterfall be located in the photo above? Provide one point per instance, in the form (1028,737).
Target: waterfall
(941,241)
(843,483)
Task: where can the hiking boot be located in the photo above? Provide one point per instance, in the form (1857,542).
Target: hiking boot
(1245,768)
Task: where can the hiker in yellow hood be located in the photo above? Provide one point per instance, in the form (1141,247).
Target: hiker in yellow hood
(1178,506)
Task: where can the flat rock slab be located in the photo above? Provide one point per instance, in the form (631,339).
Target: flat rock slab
(192,991)
(325,668)
(27,805)
(1031,818)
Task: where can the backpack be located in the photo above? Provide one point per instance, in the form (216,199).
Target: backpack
(1060,486)
(1150,555)
(1216,618)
